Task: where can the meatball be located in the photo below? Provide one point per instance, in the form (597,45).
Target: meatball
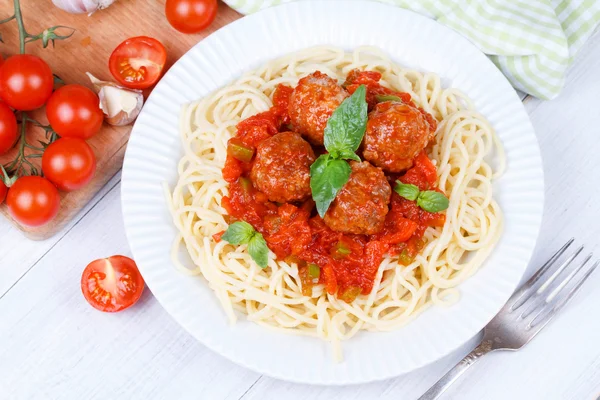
(311,104)
(396,133)
(281,169)
(362,204)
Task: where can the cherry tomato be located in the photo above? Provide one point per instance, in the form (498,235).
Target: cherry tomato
(112,284)
(26,82)
(1,60)
(33,201)
(137,63)
(8,128)
(74,111)
(190,16)
(69,163)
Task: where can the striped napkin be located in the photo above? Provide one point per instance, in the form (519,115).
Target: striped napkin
(533,42)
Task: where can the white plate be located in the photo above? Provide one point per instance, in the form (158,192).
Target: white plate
(411,40)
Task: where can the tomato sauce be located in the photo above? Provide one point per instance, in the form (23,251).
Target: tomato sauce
(257,128)
(347,263)
(371,80)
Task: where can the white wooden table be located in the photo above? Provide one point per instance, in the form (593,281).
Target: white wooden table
(54,346)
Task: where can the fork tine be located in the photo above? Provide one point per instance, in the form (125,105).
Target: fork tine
(539,298)
(560,269)
(518,297)
(539,321)
(565,281)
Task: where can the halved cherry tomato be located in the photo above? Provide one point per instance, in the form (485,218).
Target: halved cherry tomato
(69,163)
(8,128)
(26,82)
(137,63)
(112,284)
(33,201)
(74,111)
(190,16)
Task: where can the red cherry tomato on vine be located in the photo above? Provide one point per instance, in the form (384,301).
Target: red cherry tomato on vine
(74,111)
(33,201)
(26,82)
(112,284)
(190,16)
(69,163)
(8,128)
(137,63)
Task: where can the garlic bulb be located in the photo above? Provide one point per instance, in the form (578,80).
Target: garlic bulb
(120,106)
(82,6)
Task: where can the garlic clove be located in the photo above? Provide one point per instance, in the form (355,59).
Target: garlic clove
(102,4)
(82,6)
(120,106)
(70,6)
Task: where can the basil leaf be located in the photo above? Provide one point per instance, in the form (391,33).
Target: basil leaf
(239,233)
(346,126)
(243,233)
(349,155)
(407,190)
(327,177)
(257,247)
(432,201)
(387,97)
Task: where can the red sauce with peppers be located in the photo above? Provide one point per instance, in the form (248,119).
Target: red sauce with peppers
(347,263)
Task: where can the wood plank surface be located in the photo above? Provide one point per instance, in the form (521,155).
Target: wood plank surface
(88,50)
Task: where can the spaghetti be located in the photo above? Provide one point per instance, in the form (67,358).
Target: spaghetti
(465,142)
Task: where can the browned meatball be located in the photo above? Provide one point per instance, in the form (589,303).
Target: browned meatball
(362,204)
(313,101)
(282,167)
(396,133)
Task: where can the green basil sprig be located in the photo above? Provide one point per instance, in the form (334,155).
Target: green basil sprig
(243,233)
(342,137)
(327,177)
(429,200)
(406,190)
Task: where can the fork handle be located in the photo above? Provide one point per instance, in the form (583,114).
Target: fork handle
(451,376)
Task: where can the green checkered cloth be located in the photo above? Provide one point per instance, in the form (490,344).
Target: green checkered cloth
(533,42)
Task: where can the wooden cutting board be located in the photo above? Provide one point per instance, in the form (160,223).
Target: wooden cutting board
(88,50)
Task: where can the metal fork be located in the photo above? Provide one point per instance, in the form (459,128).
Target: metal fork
(525,314)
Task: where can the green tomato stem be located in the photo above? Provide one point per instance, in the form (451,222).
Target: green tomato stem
(3,21)
(17,163)
(22,32)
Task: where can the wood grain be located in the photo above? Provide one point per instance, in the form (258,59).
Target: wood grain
(88,51)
